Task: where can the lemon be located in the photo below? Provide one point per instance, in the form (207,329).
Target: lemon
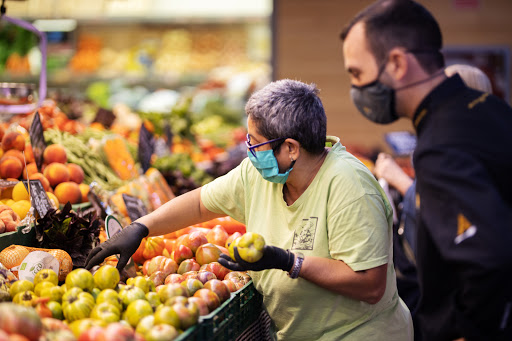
(53,199)
(21,208)
(8,202)
(19,192)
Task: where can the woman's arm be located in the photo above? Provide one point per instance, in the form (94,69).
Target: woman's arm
(182,211)
(334,275)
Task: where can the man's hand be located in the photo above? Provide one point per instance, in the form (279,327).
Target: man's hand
(273,258)
(124,243)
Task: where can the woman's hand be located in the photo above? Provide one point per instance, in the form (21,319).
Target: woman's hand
(124,243)
(273,258)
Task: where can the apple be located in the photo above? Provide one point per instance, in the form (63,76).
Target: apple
(131,293)
(216,268)
(230,284)
(141,282)
(117,331)
(204,276)
(188,265)
(106,311)
(232,237)
(250,247)
(188,313)
(160,263)
(167,315)
(137,310)
(218,287)
(170,290)
(201,305)
(174,278)
(161,332)
(176,299)
(217,235)
(194,240)
(207,253)
(192,285)
(211,298)
(107,277)
(79,327)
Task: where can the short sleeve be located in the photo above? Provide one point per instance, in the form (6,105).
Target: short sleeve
(360,233)
(226,194)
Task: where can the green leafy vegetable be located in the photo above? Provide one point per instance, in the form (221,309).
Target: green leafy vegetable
(69,231)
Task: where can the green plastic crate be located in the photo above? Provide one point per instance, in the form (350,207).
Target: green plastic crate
(222,323)
(18,238)
(191,334)
(251,303)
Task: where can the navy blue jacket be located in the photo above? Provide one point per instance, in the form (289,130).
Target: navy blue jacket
(463,165)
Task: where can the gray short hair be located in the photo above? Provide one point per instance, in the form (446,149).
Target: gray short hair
(291,109)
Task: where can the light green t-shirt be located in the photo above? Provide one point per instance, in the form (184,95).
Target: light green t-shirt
(344,215)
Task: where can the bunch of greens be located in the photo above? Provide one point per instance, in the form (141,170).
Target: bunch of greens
(69,231)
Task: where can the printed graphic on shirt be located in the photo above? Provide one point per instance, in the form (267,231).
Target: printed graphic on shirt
(304,236)
(465,229)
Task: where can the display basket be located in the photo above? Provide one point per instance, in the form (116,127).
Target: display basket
(18,237)
(222,323)
(251,302)
(191,334)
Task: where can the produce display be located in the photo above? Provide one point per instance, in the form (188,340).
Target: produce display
(178,284)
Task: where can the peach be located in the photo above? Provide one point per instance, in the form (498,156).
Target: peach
(31,169)
(42,178)
(68,191)
(13,140)
(55,153)
(29,153)
(17,154)
(56,173)
(85,190)
(76,173)
(10,167)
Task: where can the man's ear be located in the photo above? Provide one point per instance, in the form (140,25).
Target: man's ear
(399,63)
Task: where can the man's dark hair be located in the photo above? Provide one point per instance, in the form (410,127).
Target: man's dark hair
(401,23)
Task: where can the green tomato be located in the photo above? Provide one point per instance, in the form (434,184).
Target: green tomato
(54,293)
(77,307)
(107,277)
(141,282)
(46,275)
(167,315)
(131,293)
(26,298)
(106,311)
(21,286)
(56,309)
(137,310)
(80,278)
(250,247)
(145,324)
(111,296)
(41,286)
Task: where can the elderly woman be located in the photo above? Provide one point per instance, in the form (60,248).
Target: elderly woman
(326,272)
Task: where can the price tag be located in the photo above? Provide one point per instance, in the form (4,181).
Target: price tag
(146,148)
(134,206)
(39,197)
(97,204)
(105,117)
(168,134)
(7,183)
(37,140)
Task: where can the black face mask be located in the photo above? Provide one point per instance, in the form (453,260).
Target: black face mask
(376,101)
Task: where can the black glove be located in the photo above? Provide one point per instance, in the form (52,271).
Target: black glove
(124,243)
(273,258)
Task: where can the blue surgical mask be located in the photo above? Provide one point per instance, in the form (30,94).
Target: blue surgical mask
(266,164)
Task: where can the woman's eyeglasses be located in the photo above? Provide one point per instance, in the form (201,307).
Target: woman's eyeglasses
(252,147)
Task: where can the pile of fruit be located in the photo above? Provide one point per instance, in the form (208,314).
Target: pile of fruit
(180,281)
